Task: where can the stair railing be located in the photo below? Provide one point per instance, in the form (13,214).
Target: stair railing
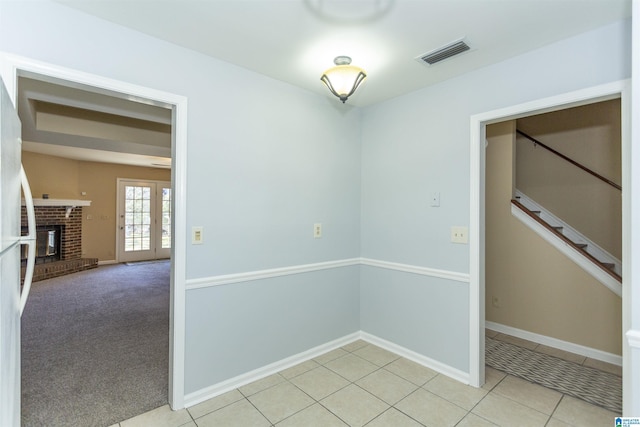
(573,162)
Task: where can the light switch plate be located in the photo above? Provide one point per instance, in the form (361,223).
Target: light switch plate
(197,236)
(435,199)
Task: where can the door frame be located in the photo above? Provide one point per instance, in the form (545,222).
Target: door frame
(119,207)
(619,89)
(12,66)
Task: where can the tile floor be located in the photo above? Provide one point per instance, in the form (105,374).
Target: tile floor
(361,384)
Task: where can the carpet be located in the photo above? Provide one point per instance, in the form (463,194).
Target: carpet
(582,382)
(95,346)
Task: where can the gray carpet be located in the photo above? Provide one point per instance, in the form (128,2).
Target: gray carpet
(95,346)
(582,382)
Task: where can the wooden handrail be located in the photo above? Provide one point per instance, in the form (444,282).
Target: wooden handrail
(573,162)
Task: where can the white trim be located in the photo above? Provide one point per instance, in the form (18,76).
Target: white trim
(424,271)
(226,279)
(581,350)
(633,338)
(440,367)
(11,65)
(572,253)
(108,262)
(478,124)
(257,374)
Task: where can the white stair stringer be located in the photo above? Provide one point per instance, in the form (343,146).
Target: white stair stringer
(574,254)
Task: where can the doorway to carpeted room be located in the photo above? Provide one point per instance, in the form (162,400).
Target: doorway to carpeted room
(95,345)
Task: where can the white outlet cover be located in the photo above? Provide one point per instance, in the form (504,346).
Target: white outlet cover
(460,234)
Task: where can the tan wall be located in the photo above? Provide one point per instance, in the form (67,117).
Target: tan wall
(591,136)
(64,178)
(539,289)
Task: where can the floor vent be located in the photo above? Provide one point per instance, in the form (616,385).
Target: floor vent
(444,52)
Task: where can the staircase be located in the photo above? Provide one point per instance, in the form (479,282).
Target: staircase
(595,260)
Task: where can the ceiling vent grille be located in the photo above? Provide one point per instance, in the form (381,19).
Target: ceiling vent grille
(444,52)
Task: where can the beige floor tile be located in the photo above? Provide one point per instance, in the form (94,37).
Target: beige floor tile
(506,412)
(313,416)
(115,425)
(579,413)
(331,355)
(395,418)
(532,395)
(320,382)
(492,377)
(215,403)
(239,414)
(490,333)
(351,367)
(299,369)
(160,417)
(472,420)
(376,355)
(517,341)
(281,401)
(263,384)
(411,371)
(354,405)
(189,424)
(353,346)
(455,392)
(387,386)
(565,355)
(603,366)
(553,422)
(430,410)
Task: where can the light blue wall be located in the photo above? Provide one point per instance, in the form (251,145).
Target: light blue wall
(232,329)
(418,144)
(267,160)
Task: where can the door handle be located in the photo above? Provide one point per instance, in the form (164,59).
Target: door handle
(29,239)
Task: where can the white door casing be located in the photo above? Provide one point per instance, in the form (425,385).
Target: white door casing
(12,65)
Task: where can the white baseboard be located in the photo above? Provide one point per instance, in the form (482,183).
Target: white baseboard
(257,374)
(107,262)
(425,361)
(556,343)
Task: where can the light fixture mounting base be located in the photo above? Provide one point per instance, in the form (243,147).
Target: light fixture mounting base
(342,60)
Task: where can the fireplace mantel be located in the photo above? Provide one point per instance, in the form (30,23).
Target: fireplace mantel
(67,203)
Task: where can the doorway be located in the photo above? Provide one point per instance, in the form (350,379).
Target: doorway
(478,125)
(14,66)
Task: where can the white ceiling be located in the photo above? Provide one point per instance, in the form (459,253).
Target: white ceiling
(296,40)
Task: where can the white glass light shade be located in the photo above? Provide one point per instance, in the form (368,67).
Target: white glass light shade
(343,79)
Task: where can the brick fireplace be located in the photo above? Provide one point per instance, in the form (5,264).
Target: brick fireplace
(66,223)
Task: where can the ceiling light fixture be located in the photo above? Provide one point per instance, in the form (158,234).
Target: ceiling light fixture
(343,79)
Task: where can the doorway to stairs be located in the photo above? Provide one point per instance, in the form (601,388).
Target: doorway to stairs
(478,230)
(531,280)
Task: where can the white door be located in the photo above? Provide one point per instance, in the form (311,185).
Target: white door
(10,149)
(144,213)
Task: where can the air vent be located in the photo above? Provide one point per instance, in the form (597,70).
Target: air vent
(444,52)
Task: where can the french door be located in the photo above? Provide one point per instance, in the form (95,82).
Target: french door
(144,220)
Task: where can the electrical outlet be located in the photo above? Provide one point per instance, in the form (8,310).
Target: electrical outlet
(495,301)
(317,230)
(460,234)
